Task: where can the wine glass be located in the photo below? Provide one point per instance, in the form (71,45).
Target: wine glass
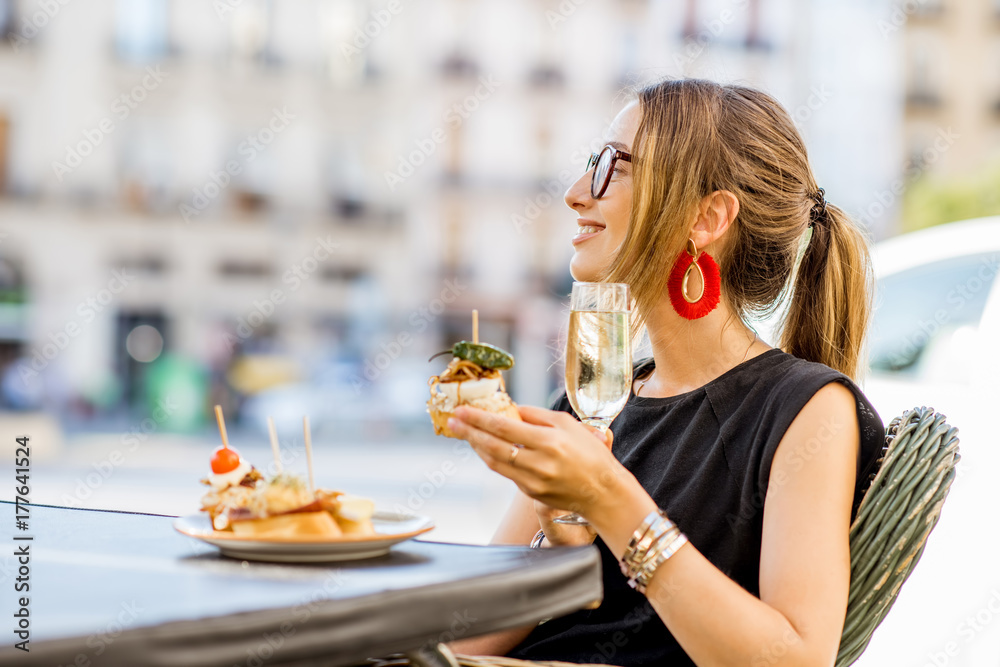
(598,358)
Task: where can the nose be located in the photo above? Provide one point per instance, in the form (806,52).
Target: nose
(578,197)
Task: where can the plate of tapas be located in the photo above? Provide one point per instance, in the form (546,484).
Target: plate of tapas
(285,518)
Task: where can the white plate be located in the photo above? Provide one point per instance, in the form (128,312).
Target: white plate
(391,528)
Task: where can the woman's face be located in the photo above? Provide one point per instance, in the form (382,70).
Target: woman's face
(601,223)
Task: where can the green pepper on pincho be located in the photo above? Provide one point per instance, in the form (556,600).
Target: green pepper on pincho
(471,378)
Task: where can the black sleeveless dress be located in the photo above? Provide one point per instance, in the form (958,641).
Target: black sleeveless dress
(705,457)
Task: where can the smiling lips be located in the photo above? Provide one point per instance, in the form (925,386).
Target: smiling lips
(587,229)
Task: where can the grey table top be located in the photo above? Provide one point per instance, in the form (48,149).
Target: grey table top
(115,588)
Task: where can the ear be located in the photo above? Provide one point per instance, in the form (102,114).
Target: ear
(715,213)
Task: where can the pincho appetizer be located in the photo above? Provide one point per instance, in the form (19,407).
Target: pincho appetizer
(471,378)
(250,505)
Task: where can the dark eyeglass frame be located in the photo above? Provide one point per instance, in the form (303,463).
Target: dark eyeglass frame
(595,158)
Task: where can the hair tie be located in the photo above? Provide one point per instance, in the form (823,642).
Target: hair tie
(818,211)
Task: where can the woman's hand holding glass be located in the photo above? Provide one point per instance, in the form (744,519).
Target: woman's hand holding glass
(559,534)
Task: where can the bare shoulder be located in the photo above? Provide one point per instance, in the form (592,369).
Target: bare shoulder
(826,429)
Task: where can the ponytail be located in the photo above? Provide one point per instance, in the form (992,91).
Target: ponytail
(831,301)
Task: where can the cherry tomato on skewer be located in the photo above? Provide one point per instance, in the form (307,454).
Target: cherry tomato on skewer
(225,459)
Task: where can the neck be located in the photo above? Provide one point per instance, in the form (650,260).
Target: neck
(690,353)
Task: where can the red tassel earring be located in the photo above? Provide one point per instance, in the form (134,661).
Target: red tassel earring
(677,285)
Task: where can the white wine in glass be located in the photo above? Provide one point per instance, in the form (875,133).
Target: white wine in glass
(598,358)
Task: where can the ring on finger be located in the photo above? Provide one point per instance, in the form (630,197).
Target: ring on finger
(513,454)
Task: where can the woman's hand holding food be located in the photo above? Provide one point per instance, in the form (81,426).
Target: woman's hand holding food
(561,463)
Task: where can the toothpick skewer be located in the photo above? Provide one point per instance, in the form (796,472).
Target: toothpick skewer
(222,426)
(274,444)
(475,326)
(309,452)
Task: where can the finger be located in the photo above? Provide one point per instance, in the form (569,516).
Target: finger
(501,426)
(549,513)
(541,416)
(494,451)
(607,437)
(546,511)
(603,436)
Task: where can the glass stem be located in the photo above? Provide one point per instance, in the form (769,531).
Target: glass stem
(599,423)
(574,519)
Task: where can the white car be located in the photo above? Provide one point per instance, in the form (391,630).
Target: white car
(937,318)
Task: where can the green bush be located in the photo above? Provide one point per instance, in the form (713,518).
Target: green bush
(932,201)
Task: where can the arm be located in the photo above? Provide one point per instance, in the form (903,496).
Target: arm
(519,524)
(805,563)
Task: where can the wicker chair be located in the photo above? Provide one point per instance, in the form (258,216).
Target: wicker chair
(898,512)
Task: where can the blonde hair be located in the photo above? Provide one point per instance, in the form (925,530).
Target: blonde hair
(696,137)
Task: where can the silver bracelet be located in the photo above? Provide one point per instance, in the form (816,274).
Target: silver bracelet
(663,538)
(642,581)
(536,541)
(655,540)
(662,533)
(653,527)
(650,519)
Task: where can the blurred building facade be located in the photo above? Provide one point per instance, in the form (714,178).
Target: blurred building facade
(952,112)
(337,183)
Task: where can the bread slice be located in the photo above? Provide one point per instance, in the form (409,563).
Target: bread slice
(297,524)
(440,418)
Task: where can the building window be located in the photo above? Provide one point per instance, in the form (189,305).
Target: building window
(6,18)
(12,288)
(141,30)
(922,92)
(689,31)
(345,43)
(4,143)
(250,33)
(546,76)
(245,269)
(343,274)
(928,8)
(146,266)
(459,64)
(755,39)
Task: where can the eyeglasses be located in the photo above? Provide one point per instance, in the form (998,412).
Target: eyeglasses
(603,164)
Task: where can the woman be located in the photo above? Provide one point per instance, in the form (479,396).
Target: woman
(758,455)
